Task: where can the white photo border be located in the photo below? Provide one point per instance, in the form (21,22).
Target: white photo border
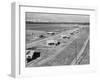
(21,70)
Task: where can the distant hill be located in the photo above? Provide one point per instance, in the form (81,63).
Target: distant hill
(84,23)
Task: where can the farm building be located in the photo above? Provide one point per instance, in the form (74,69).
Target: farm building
(52,42)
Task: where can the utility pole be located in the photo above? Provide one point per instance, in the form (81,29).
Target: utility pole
(76,50)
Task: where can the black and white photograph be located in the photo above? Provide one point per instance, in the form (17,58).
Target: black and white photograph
(55,39)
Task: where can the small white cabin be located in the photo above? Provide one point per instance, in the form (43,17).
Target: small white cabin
(50,32)
(51,42)
(30,54)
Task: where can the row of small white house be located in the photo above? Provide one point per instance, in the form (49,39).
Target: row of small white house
(55,42)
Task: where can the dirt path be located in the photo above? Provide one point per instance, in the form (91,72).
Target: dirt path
(77,59)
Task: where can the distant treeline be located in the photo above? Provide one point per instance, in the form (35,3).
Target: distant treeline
(83,23)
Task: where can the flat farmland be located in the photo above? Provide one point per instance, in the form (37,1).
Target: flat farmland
(38,29)
(49,27)
(66,52)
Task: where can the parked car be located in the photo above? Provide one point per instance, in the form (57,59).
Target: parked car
(42,36)
(72,33)
(65,36)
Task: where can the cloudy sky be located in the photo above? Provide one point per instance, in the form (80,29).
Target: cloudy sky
(45,17)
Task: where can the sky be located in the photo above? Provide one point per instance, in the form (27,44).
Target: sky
(47,17)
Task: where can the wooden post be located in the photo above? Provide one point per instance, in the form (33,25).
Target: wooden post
(76,50)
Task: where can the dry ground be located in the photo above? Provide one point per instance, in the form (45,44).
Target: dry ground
(67,53)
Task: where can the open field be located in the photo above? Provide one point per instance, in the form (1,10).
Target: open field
(62,54)
(43,28)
